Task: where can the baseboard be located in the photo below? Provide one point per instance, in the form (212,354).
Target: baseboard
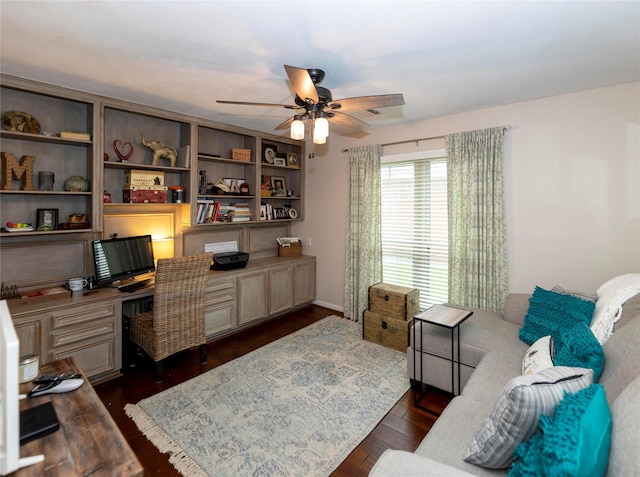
(331,306)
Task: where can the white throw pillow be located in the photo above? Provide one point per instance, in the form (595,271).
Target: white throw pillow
(539,356)
(611,297)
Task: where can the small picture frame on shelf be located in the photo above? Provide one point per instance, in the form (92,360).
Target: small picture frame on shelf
(278,186)
(280,161)
(47,218)
(268,154)
(292,160)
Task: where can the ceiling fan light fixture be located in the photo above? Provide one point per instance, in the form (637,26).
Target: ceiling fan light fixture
(318,138)
(297,128)
(321,126)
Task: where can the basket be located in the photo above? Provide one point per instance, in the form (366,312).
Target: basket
(243,155)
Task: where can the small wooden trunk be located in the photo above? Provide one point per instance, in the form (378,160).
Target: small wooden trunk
(395,301)
(144,195)
(386,331)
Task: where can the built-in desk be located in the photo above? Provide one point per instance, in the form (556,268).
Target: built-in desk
(88,325)
(88,441)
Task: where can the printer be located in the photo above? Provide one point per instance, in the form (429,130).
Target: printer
(226,256)
(229,260)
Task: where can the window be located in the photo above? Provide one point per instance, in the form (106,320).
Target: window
(414,224)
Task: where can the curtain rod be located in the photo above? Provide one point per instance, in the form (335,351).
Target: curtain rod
(407,141)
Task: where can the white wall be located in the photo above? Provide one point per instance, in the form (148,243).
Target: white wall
(572,179)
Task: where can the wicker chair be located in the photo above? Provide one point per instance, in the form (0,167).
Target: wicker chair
(177,320)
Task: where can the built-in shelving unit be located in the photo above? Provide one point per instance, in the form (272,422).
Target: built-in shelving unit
(124,128)
(220,150)
(61,156)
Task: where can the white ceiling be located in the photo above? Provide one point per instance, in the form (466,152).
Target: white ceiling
(445,57)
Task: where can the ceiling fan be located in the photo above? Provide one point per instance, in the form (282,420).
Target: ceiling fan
(315,103)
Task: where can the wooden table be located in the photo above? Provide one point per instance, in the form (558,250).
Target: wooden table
(88,441)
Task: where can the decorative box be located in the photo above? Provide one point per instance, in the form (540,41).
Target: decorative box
(386,331)
(144,195)
(141,178)
(395,301)
(243,155)
(294,250)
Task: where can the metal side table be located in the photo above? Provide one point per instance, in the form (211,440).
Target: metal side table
(446,317)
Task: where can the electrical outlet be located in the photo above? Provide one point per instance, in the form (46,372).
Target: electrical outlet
(308,241)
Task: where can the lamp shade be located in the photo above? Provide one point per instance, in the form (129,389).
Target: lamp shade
(297,129)
(321,127)
(318,139)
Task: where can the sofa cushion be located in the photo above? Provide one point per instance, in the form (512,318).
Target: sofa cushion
(514,417)
(624,458)
(580,294)
(550,312)
(575,440)
(621,349)
(578,347)
(447,440)
(539,356)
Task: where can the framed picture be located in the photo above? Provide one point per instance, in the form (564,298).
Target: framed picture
(269,154)
(279,186)
(292,160)
(280,161)
(47,218)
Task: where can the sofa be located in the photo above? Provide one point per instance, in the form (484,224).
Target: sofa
(492,357)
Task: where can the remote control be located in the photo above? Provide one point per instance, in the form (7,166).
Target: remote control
(60,387)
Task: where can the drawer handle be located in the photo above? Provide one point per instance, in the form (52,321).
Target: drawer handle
(386,298)
(384,325)
(413,302)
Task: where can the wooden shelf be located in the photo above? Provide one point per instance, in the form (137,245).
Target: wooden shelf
(146,167)
(45,192)
(39,233)
(42,138)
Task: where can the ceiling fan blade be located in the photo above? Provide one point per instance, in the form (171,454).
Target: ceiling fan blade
(363,103)
(285,124)
(346,121)
(248,103)
(302,83)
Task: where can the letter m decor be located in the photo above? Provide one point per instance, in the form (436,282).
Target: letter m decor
(22,171)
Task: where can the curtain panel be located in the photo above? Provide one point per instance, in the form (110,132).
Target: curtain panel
(477,229)
(364,232)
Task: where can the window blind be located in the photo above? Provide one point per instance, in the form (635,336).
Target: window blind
(414,227)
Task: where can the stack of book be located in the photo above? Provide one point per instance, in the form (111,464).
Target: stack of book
(207,211)
(242,212)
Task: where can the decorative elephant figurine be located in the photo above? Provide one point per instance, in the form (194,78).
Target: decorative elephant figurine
(160,150)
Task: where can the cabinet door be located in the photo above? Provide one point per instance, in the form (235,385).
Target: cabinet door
(304,283)
(252,297)
(29,331)
(91,333)
(280,290)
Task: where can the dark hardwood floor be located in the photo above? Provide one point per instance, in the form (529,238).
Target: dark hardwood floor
(403,427)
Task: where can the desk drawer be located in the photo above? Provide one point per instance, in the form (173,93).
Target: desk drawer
(77,314)
(66,336)
(220,285)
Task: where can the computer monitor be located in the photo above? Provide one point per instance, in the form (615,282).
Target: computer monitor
(119,258)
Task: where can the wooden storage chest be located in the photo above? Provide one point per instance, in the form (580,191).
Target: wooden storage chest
(394,301)
(386,331)
(144,194)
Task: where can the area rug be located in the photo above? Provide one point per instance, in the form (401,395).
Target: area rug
(295,407)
